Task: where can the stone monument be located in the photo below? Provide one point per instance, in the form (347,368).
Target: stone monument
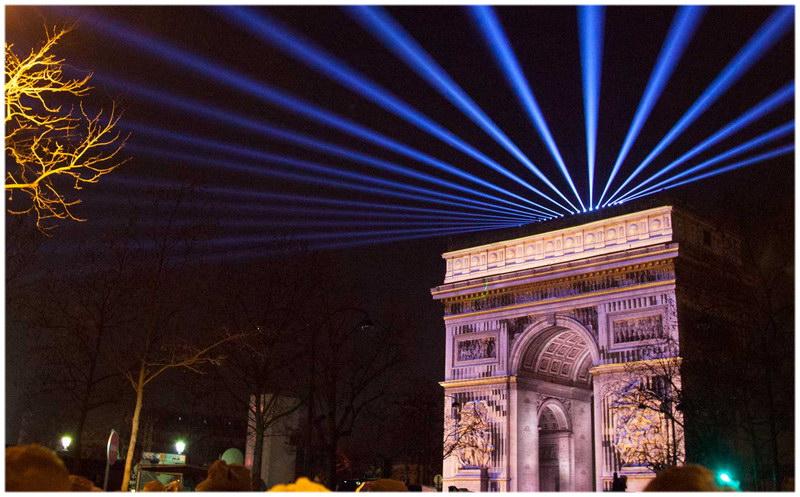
(550,337)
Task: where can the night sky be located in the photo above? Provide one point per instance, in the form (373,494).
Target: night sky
(399,275)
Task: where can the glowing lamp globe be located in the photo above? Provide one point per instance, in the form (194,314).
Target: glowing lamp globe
(66,441)
(180,446)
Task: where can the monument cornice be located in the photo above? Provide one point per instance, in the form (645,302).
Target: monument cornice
(515,276)
(597,272)
(634,365)
(612,235)
(494,380)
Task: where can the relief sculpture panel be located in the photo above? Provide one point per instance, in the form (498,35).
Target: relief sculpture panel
(638,328)
(476,348)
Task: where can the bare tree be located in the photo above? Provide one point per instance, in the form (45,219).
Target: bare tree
(80,324)
(414,424)
(467,435)
(648,409)
(261,373)
(165,337)
(48,144)
(354,358)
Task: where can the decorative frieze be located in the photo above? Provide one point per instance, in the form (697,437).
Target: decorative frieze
(637,329)
(652,272)
(639,229)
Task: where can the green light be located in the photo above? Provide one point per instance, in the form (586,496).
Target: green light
(180,446)
(725,479)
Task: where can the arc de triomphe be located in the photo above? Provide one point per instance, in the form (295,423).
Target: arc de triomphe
(539,328)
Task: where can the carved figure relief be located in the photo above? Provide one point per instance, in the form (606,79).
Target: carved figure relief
(478,348)
(640,437)
(638,328)
(475,439)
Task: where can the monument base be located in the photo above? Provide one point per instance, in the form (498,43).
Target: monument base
(471,479)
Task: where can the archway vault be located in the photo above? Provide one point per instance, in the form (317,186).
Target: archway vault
(558,350)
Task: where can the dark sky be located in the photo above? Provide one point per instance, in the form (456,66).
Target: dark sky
(545,39)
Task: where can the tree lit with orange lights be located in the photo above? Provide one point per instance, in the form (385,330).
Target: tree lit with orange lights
(54,145)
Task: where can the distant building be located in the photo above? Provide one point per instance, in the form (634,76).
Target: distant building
(279,453)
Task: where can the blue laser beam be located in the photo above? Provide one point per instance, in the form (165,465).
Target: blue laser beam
(228,244)
(249,253)
(680,34)
(396,40)
(260,222)
(357,243)
(769,33)
(590,28)
(312,179)
(289,198)
(312,167)
(284,100)
(500,47)
(250,240)
(725,169)
(286,211)
(295,138)
(346,235)
(274,33)
(758,141)
(764,107)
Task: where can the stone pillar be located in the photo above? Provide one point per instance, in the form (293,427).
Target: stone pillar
(527,442)
(600,452)
(512,468)
(582,445)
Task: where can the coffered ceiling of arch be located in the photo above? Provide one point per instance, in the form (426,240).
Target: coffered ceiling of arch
(563,357)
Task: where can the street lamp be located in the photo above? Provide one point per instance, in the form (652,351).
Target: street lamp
(66,441)
(180,446)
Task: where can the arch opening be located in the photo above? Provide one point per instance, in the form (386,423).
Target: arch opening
(555,443)
(552,360)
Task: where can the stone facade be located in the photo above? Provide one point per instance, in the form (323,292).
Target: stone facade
(542,330)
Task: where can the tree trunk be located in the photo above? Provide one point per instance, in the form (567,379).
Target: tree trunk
(258,448)
(332,459)
(333,436)
(126,475)
(755,448)
(309,435)
(79,437)
(772,418)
